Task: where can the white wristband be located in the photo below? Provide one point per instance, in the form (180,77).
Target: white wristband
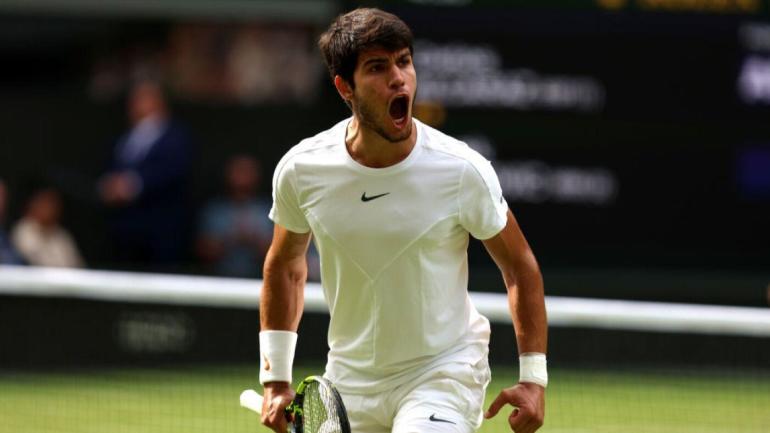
(276,350)
(532,368)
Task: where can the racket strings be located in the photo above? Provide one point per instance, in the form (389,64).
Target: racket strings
(320,412)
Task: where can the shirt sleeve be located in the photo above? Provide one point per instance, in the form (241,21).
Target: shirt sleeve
(286,210)
(483,209)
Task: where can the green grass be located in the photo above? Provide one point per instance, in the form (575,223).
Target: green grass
(198,400)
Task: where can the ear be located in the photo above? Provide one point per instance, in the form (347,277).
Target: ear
(343,88)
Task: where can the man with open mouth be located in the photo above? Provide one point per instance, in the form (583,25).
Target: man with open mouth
(391,203)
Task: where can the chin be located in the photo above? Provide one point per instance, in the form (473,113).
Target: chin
(401,134)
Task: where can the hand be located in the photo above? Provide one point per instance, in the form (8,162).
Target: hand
(278,395)
(118,189)
(528,400)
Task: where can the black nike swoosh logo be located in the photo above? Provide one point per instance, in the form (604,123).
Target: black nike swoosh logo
(364,198)
(434,419)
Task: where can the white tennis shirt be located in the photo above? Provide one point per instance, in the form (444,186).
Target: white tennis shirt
(393,246)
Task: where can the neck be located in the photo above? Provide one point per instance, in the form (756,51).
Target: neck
(45,226)
(370,149)
(159,117)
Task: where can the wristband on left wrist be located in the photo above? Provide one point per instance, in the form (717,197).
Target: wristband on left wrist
(533,368)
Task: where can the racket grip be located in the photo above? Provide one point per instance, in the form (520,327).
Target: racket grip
(251,400)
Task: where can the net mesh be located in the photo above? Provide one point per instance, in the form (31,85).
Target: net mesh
(96,364)
(641,382)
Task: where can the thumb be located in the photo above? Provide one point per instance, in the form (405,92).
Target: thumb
(496,405)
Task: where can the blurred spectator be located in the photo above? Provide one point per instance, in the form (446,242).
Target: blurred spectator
(235,231)
(146,184)
(39,236)
(8,254)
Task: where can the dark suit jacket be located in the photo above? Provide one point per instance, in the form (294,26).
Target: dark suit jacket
(156,224)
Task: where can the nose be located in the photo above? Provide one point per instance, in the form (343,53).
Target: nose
(396,76)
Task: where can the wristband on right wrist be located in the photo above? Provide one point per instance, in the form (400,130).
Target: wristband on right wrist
(276,349)
(533,368)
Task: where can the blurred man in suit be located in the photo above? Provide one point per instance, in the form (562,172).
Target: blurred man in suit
(146,184)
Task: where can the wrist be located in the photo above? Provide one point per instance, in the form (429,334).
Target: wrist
(276,387)
(533,369)
(276,350)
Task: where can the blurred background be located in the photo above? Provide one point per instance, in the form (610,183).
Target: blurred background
(631,138)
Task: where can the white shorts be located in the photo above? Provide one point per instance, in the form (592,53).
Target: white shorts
(448,400)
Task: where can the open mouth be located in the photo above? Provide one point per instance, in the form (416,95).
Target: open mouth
(399,109)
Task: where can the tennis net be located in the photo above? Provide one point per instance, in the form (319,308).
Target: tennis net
(97,351)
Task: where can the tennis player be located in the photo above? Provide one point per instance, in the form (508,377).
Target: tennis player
(390,203)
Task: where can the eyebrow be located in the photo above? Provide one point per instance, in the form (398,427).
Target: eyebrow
(379,59)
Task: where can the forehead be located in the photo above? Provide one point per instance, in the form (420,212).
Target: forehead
(378,52)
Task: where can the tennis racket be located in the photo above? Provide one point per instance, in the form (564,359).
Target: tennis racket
(317,407)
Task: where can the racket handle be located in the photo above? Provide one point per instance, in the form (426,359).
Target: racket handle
(251,400)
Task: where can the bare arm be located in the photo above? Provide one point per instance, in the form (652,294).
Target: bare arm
(521,274)
(526,301)
(280,308)
(284,275)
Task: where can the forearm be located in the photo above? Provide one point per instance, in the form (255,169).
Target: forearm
(282,298)
(527,306)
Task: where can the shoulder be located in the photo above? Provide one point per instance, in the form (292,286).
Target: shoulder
(63,235)
(23,231)
(450,147)
(23,225)
(175,142)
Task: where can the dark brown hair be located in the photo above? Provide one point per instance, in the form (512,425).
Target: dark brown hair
(358,30)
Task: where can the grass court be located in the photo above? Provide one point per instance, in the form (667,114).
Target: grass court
(205,400)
